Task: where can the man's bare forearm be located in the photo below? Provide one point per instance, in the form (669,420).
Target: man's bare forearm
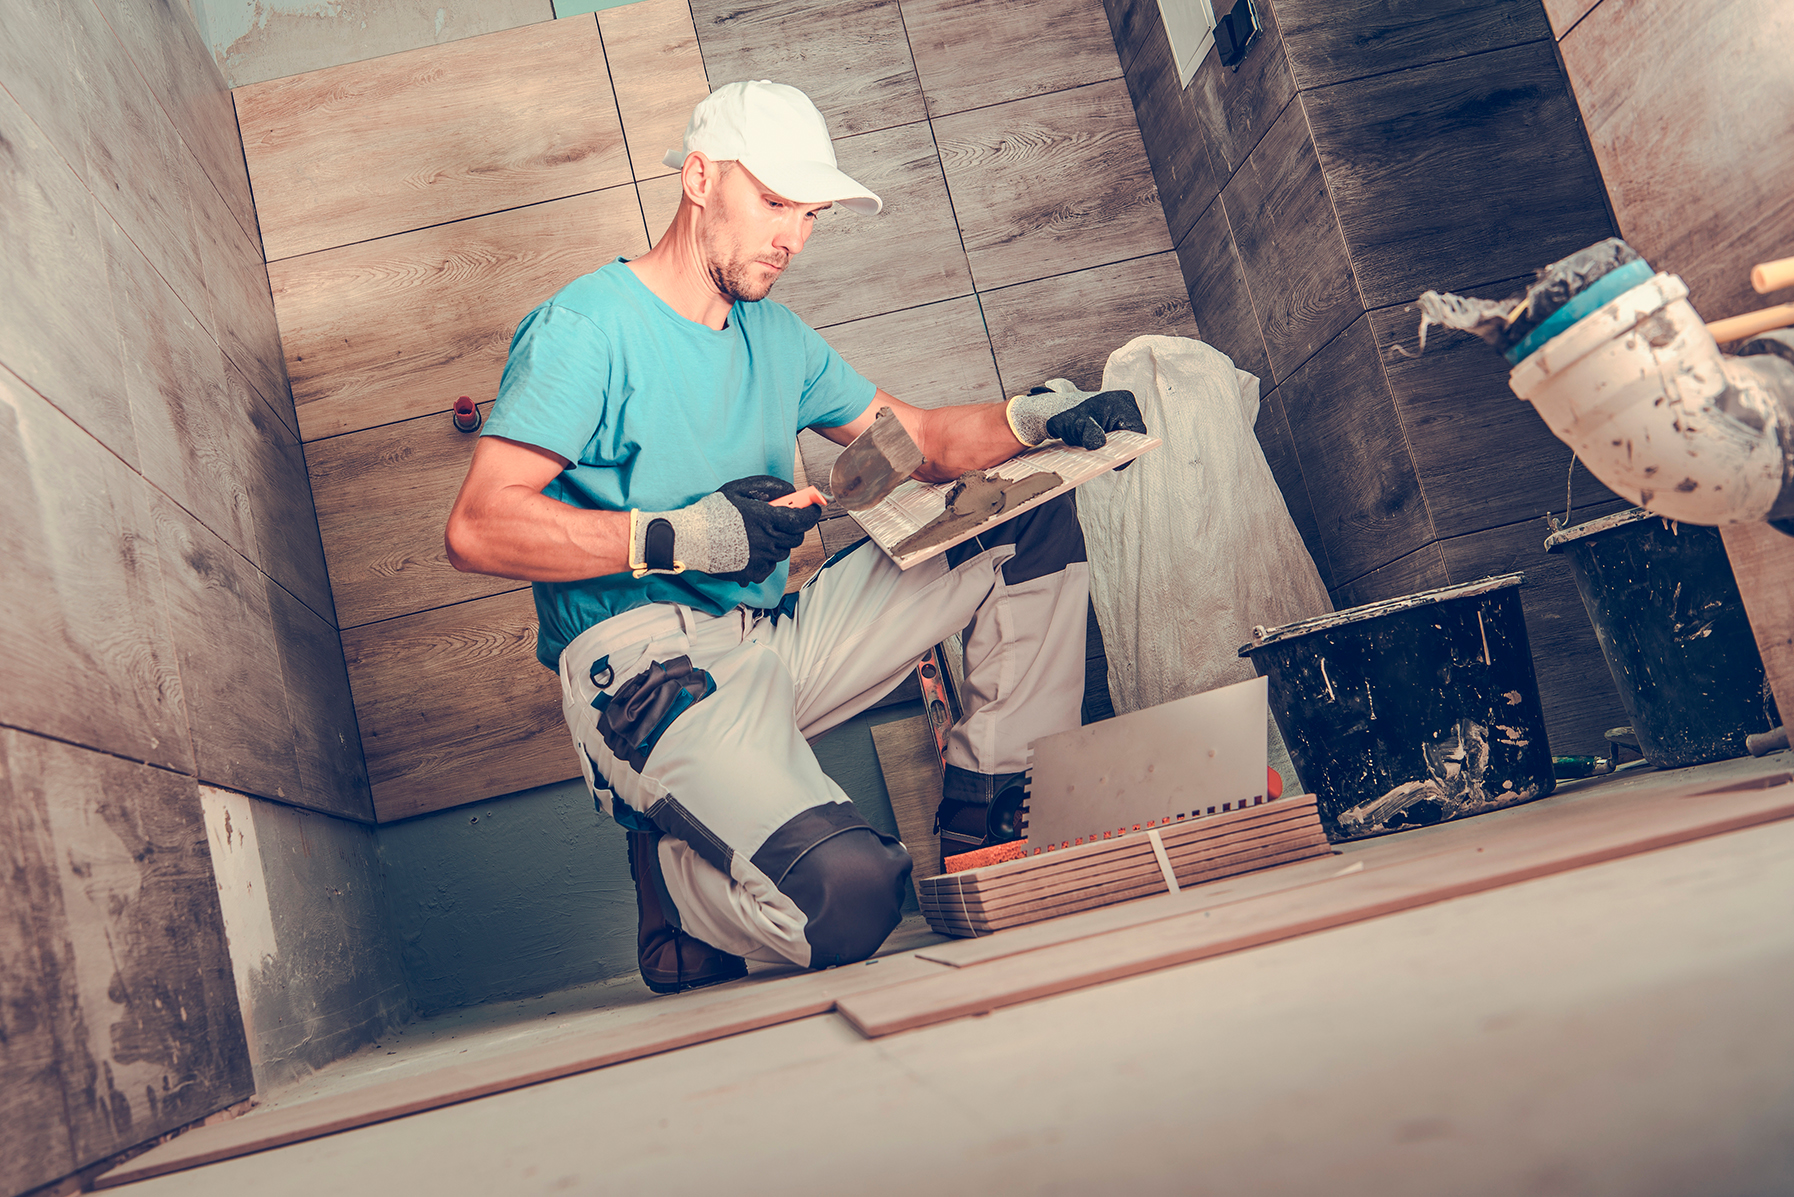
(514,532)
(970,436)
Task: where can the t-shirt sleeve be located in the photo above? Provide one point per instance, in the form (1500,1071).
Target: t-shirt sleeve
(552,394)
(834,392)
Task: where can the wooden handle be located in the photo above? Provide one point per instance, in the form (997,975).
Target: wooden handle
(1736,328)
(1772,276)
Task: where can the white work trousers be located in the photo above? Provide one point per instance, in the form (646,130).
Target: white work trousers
(696,725)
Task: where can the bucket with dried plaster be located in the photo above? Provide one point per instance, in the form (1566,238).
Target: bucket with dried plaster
(1672,626)
(1628,376)
(1410,711)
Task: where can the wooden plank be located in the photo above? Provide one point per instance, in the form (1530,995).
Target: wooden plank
(136,933)
(287,545)
(1291,252)
(1219,302)
(440,133)
(1575,687)
(1460,417)
(1327,40)
(1272,431)
(911,765)
(931,356)
(1763,562)
(1130,24)
(1175,144)
(454,707)
(399,327)
(660,203)
(652,51)
(331,771)
(1023,50)
(1564,14)
(1236,106)
(1423,569)
(1732,124)
(54,271)
(852,57)
(382,496)
(1508,183)
(86,653)
(1051,184)
(908,255)
(1349,440)
(685,1021)
(1609,831)
(1067,327)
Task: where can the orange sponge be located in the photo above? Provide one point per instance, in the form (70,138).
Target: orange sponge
(979,857)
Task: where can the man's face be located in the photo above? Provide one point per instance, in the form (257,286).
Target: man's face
(750,233)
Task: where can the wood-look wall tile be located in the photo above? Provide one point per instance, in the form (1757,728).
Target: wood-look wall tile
(36,61)
(1067,327)
(85,640)
(229,654)
(56,324)
(1575,686)
(1272,430)
(1484,456)
(658,74)
(1329,41)
(400,327)
(850,57)
(1349,440)
(454,707)
(36,990)
(241,318)
(660,203)
(1447,176)
(1236,106)
(1024,49)
(1130,24)
(1422,569)
(152,1038)
(1219,301)
(136,165)
(1689,110)
(287,545)
(933,356)
(1296,267)
(1051,184)
(332,774)
(442,133)
(186,430)
(908,255)
(1172,132)
(1563,14)
(383,495)
(168,48)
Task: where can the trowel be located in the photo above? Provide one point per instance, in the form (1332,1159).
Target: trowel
(876,463)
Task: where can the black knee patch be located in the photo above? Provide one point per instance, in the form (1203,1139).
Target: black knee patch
(1046,540)
(846,878)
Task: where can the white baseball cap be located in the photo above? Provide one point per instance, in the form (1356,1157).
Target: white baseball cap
(774,131)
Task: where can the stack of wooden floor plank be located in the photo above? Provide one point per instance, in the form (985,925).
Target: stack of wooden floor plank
(1065,881)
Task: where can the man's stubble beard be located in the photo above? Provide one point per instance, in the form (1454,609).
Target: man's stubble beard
(729,268)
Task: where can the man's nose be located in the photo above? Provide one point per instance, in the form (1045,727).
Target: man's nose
(791,233)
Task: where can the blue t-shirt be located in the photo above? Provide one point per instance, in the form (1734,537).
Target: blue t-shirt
(654,412)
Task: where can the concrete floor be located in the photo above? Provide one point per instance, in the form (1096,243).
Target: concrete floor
(1618,1029)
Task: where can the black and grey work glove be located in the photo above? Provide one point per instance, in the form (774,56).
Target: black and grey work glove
(1084,419)
(733,533)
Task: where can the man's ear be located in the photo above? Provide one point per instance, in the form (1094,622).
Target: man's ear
(699,177)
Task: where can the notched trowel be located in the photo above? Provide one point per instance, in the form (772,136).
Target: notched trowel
(876,463)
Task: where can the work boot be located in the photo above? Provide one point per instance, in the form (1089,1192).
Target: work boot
(671,961)
(978,810)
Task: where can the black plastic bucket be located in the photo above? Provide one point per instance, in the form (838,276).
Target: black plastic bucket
(1672,626)
(1410,711)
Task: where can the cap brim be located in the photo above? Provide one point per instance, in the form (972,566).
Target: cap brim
(809,182)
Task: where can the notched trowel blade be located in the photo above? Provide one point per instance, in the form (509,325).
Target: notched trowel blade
(875,464)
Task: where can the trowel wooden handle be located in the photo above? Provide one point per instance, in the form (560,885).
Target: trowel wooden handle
(1736,328)
(1772,276)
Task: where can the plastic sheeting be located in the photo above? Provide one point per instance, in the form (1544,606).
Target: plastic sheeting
(1192,544)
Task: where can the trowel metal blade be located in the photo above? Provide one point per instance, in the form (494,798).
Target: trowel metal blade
(875,464)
